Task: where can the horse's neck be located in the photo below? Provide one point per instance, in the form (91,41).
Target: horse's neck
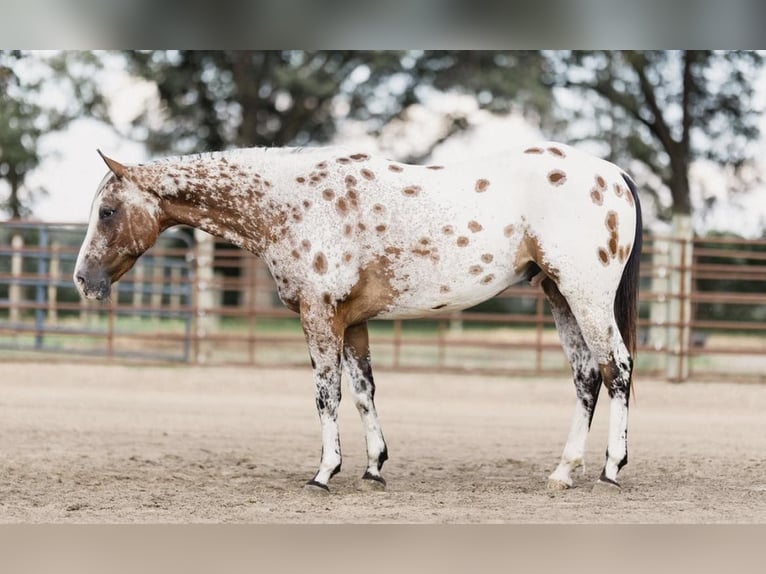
(236,197)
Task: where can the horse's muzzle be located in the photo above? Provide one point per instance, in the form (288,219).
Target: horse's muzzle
(92,286)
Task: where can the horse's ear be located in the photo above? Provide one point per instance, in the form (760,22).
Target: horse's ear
(114,166)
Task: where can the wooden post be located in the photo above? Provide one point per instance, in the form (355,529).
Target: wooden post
(659,312)
(14,290)
(138,286)
(53,275)
(205,322)
(158,280)
(679,305)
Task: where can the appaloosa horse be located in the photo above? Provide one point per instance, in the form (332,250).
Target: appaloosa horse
(349,237)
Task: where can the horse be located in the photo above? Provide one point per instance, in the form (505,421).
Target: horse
(349,237)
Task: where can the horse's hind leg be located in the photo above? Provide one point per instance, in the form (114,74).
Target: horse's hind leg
(587,380)
(601,333)
(356,358)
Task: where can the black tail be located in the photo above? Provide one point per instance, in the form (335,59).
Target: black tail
(626,301)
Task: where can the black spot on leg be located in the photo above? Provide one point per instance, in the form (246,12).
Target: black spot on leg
(320,403)
(623,462)
(335,471)
(382,457)
(313,363)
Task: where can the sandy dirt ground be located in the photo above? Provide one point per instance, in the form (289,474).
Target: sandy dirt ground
(116,444)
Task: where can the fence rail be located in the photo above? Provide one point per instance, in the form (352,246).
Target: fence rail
(187,301)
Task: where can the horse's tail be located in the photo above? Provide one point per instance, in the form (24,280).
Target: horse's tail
(626,300)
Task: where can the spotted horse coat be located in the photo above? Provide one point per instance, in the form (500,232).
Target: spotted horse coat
(350,237)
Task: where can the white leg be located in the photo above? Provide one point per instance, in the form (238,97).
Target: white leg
(325,349)
(356,358)
(587,380)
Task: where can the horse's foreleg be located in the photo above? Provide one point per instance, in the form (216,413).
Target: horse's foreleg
(325,342)
(356,357)
(587,380)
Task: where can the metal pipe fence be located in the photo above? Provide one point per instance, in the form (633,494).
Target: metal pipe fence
(188,300)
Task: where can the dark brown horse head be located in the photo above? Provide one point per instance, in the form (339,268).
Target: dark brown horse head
(124,222)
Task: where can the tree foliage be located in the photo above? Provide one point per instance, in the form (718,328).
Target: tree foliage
(665,108)
(29,111)
(213,100)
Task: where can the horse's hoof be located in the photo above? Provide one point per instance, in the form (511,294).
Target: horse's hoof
(372,482)
(557,484)
(315,488)
(604,485)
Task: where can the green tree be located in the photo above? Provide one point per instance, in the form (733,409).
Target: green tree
(665,108)
(213,100)
(28,112)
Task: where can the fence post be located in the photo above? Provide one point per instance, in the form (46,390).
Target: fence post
(53,276)
(14,290)
(659,313)
(679,307)
(205,295)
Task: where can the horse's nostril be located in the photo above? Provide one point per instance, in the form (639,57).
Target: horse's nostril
(80,279)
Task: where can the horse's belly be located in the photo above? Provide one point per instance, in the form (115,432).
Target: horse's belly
(443,293)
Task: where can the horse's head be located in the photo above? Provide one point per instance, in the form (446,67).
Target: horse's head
(124,222)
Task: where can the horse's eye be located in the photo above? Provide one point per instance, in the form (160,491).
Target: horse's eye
(105,213)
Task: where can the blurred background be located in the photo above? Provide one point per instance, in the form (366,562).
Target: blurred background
(686,124)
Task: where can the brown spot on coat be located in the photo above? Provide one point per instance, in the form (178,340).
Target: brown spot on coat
(380,228)
(320,263)
(462,241)
(613,245)
(475,269)
(347,229)
(600,182)
(508,230)
(603,256)
(347,257)
(448,230)
(475,226)
(343,160)
(306,245)
(435,167)
(306,204)
(367,174)
(378,208)
(444,289)
(328,194)
(321,165)
(482,185)
(295,254)
(530,251)
(487,279)
(621,253)
(341,206)
(596,197)
(618,190)
(411,191)
(300,179)
(360,156)
(611,221)
(533,150)
(487,258)
(394,167)
(557,177)
(557,152)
